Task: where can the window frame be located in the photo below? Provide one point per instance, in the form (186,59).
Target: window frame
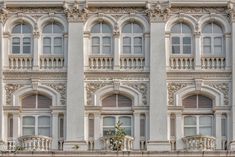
(21,36)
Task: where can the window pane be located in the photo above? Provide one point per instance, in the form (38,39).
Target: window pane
(58,41)
(204,102)
(44,102)
(137,50)
(127,130)
(126,121)
(107,40)
(29,101)
(127,28)
(44,131)
(108,131)
(47,28)
(95,41)
(142,126)
(137,28)
(175,40)
(190,131)
(176,49)
(137,41)
(26,28)
(58,50)
(109,121)
(186,49)
(205,131)
(46,49)
(205,120)
(15,49)
(217,29)
(95,49)
(207,28)
(207,49)
(127,49)
(124,101)
(126,41)
(28,131)
(46,41)
(17,29)
(61,127)
(187,40)
(44,121)
(186,29)
(190,102)
(218,41)
(189,120)
(223,126)
(26,49)
(218,50)
(57,28)
(176,28)
(28,121)
(207,41)
(106,50)
(91,127)
(106,28)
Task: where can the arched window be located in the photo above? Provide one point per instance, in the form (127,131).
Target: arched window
(38,120)
(200,122)
(53,39)
(101,39)
(21,39)
(132,39)
(212,39)
(181,39)
(116,100)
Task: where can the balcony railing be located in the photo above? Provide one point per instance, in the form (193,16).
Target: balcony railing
(51,61)
(35,143)
(100,62)
(213,62)
(200,143)
(127,143)
(20,62)
(132,62)
(181,62)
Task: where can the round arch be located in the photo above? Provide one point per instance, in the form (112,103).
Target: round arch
(212,93)
(14,20)
(136,18)
(129,92)
(187,19)
(219,19)
(57,18)
(96,18)
(44,90)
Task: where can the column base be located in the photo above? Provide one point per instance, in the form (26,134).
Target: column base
(158,146)
(232,145)
(75,146)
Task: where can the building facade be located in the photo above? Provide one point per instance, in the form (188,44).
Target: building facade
(70,71)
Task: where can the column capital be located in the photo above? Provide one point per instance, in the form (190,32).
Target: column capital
(3,12)
(75,12)
(158,11)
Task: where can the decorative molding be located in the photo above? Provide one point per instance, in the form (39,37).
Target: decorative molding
(36,11)
(11,88)
(223,88)
(198,11)
(172,89)
(60,88)
(76,12)
(117,11)
(158,11)
(3,13)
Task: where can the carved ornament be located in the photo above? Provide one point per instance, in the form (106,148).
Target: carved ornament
(172,89)
(223,88)
(10,89)
(60,88)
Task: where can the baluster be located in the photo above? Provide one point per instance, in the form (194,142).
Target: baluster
(177,63)
(12,63)
(172,63)
(213,63)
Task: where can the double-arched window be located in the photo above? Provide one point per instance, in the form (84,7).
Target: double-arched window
(53,38)
(21,39)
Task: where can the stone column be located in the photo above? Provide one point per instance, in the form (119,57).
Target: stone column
(146,51)
(65,50)
(55,128)
(16,125)
(75,78)
(35,50)
(228,54)
(86,50)
(97,130)
(158,139)
(116,50)
(218,135)
(137,130)
(197,51)
(179,131)
(167,48)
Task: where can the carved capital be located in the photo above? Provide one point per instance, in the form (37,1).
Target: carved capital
(75,12)
(10,89)
(3,13)
(158,11)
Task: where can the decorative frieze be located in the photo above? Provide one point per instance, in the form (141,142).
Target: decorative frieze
(172,89)
(158,11)
(223,88)
(198,10)
(10,89)
(60,88)
(76,12)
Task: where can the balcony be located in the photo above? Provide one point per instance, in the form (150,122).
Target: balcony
(126,145)
(100,62)
(213,62)
(53,62)
(181,62)
(132,62)
(199,143)
(20,62)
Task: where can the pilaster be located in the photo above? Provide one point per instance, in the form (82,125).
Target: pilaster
(116,49)
(35,52)
(197,54)
(218,135)
(137,130)
(55,133)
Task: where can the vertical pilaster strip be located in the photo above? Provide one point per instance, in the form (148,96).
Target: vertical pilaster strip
(55,133)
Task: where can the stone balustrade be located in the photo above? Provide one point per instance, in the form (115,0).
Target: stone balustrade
(35,143)
(143,144)
(127,143)
(61,144)
(11,145)
(132,62)
(100,62)
(51,62)
(20,62)
(181,62)
(91,144)
(213,62)
(199,142)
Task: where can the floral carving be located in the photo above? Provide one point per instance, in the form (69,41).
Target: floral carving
(76,12)
(3,13)
(11,88)
(158,12)
(60,88)
(172,89)
(223,88)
